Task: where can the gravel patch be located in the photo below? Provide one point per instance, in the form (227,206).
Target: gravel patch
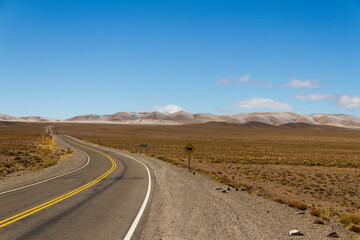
(76,160)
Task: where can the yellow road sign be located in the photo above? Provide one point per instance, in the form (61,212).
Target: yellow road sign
(189,148)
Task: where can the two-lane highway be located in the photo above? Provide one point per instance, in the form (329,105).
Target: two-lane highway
(104,200)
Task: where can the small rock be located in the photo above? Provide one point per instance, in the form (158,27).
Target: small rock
(228,189)
(333,235)
(236,189)
(218,188)
(300,213)
(243,189)
(193,173)
(267,211)
(296,233)
(223,191)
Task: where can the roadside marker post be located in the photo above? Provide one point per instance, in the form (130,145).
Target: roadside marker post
(189,148)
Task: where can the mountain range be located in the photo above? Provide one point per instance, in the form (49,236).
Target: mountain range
(270,118)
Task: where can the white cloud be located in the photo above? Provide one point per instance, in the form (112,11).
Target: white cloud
(312,96)
(244,79)
(170,108)
(350,102)
(295,83)
(223,81)
(262,103)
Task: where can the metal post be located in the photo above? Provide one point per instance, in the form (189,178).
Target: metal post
(189,162)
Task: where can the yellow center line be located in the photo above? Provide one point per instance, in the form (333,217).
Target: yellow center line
(62,197)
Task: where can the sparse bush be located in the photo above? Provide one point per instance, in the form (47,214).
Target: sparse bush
(279,200)
(354,228)
(353,218)
(318,221)
(296,204)
(321,213)
(49,163)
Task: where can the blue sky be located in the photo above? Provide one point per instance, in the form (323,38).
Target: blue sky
(66,58)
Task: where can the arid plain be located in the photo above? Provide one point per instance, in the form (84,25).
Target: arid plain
(25,147)
(313,168)
(304,166)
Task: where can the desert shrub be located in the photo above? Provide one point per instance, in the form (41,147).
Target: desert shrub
(171,161)
(8,165)
(353,218)
(259,192)
(49,163)
(296,204)
(354,228)
(45,151)
(321,213)
(318,221)
(279,200)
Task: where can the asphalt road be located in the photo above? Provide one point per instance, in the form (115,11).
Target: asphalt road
(104,209)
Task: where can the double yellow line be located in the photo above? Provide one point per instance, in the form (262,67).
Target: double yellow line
(26,213)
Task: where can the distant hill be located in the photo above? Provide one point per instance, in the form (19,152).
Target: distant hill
(249,120)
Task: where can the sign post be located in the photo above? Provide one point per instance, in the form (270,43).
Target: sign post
(145,146)
(189,148)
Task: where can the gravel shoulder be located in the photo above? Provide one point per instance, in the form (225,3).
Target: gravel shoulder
(76,160)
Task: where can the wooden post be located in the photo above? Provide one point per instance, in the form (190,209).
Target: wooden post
(189,162)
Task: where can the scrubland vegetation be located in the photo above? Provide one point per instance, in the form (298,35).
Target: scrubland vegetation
(26,147)
(316,170)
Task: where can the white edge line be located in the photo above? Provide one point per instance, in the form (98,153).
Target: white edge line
(36,183)
(142,209)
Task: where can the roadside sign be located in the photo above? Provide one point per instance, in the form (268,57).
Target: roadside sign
(189,148)
(143,146)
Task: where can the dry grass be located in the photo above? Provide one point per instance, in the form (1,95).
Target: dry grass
(324,214)
(25,147)
(305,168)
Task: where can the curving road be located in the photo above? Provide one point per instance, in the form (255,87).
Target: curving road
(104,200)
